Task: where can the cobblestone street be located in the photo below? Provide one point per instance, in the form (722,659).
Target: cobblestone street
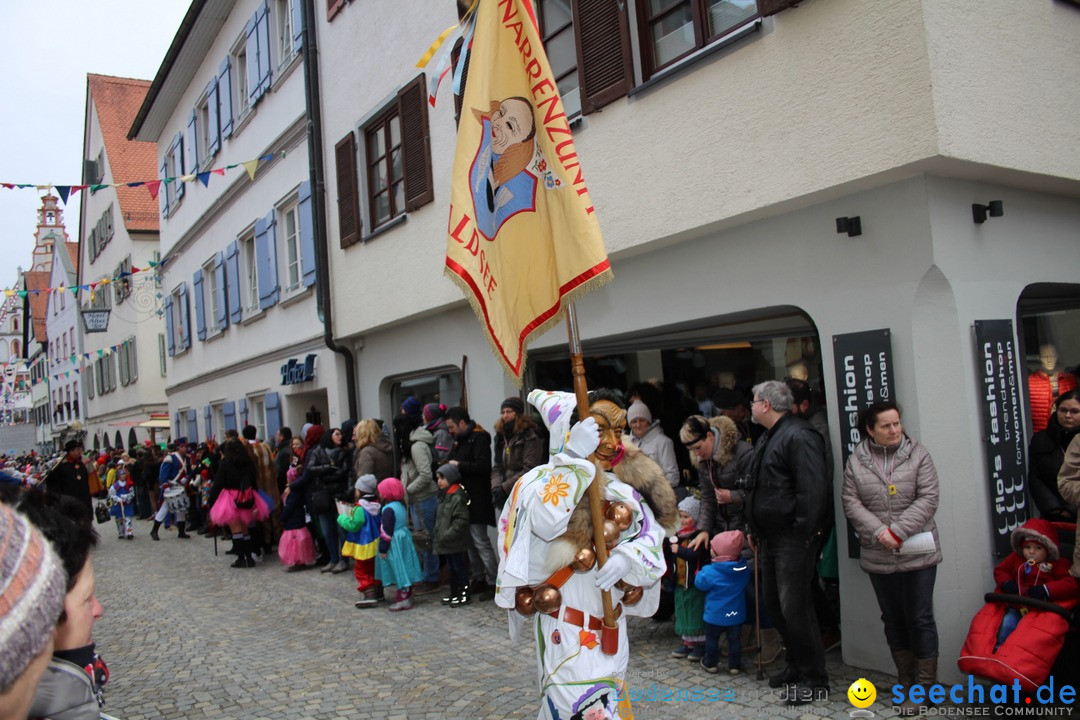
(186,636)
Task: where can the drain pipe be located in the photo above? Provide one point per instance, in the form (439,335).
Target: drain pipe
(318,199)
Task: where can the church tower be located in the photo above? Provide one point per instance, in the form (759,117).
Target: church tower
(50,231)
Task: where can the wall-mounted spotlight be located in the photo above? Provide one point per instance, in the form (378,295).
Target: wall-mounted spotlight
(994,208)
(850,225)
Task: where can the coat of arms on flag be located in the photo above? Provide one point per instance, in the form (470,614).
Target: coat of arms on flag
(523,239)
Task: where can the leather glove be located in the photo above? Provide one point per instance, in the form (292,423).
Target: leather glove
(1009,587)
(1039,592)
(498,496)
(584,439)
(614,569)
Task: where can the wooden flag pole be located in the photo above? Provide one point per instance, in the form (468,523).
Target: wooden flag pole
(581,390)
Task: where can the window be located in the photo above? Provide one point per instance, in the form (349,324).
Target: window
(290,226)
(207,133)
(121,280)
(177,320)
(257,415)
(172,167)
(100,234)
(212,296)
(218,414)
(556,18)
(442,386)
(240,72)
(397,164)
(289,30)
(251,275)
(669,30)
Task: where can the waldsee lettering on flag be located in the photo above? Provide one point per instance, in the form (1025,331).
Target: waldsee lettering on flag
(523,239)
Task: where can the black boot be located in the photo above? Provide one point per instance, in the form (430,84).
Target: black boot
(180,534)
(153,533)
(243,557)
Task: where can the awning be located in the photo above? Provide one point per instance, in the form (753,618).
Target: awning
(159,423)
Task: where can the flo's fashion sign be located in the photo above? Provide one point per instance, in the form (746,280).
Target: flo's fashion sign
(523,238)
(864,375)
(1003,441)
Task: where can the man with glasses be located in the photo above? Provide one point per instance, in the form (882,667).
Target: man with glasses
(788,510)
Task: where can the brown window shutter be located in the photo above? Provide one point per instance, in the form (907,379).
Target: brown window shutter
(416,144)
(333,7)
(603,40)
(349,221)
(771,7)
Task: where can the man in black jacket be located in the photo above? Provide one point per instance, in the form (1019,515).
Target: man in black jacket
(70,477)
(472,456)
(788,510)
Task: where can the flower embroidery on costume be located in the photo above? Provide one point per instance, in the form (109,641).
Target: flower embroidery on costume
(555,489)
(587,639)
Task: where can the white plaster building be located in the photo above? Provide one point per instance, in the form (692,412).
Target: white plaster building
(239,273)
(65,347)
(124,377)
(15,403)
(728,146)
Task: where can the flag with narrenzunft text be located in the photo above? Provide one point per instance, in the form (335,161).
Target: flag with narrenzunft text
(523,238)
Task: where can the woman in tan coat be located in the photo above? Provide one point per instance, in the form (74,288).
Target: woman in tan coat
(890,496)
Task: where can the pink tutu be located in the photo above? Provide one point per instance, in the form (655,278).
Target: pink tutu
(225,511)
(296,547)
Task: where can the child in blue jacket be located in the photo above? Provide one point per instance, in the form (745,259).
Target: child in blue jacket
(724,583)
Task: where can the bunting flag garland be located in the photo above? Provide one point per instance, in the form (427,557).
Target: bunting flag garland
(152,266)
(152,186)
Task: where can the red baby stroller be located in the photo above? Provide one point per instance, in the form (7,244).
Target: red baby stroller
(1045,642)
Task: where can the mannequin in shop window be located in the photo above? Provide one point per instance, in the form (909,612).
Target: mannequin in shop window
(1045,385)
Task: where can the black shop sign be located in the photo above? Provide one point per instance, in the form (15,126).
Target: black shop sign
(1003,437)
(864,375)
(296,371)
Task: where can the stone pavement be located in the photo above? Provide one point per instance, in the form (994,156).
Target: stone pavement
(186,636)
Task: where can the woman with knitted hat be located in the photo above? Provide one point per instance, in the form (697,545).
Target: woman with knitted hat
(32,594)
(650,438)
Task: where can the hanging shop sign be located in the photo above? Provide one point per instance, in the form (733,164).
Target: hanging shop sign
(864,375)
(1003,429)
(96,320)
(297,371)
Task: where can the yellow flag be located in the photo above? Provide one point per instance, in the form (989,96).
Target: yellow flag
(523,239)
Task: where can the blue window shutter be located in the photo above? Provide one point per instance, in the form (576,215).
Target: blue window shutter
(178,164)
(225,98)
(163,194)
(179,426)
(297,32)
(206,422)
(213,132)
(185,318)
(229,411)
(273,414)
(264,49)
(266,259)
(242,407)
(307,235)
(200,310)
(222,316)
(193,143)
(193,425)
(232,275)
(251,50)
(168,327)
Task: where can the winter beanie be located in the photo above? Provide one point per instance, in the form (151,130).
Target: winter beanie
(433,412)
(367,484)
(727,545)
(451,473)
(391,489)
(691,506)
(514,403)
(412,407)
(32,589)
(637,410)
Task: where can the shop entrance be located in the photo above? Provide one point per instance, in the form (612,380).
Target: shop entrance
(302,408)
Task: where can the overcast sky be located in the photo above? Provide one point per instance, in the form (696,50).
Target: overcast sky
(48,50)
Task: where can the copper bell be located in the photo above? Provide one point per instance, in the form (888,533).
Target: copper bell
(584,560)
(611,533)
(523,601)
(621,514)
(622,585)
(632,596)
(547,599)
